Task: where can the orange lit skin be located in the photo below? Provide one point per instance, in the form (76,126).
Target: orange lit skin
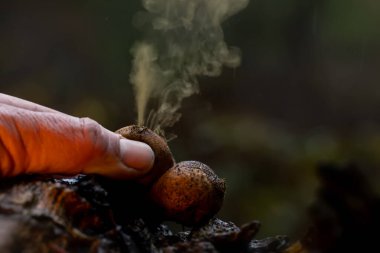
(46,142)
(36,139)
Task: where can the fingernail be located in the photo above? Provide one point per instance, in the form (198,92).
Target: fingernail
(136,154)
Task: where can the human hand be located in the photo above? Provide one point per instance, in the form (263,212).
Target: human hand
(38,140)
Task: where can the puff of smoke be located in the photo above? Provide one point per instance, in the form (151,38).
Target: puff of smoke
(183,40)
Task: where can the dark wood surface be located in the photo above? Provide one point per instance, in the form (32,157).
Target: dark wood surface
(89,214)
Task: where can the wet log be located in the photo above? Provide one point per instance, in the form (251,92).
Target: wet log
(85,214)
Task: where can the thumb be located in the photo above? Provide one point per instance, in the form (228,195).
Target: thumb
(55,143)
(114,156)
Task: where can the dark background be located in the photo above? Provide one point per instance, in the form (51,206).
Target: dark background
(307,92)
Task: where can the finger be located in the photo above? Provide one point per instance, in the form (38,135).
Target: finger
(23,104)
(45,142)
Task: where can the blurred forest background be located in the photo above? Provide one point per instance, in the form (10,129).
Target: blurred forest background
(307,92)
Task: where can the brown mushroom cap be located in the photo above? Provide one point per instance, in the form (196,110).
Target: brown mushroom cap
(189,193)
(163,156)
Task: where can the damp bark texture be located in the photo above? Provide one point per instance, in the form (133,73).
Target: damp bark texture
(82,214)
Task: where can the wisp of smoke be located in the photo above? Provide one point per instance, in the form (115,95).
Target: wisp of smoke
(183,40)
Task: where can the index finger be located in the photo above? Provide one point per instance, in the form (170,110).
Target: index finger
(24,104)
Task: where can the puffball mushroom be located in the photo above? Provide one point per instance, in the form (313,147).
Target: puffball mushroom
(163,156)
(188,192)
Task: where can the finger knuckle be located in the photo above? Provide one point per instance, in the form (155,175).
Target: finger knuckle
(92,130)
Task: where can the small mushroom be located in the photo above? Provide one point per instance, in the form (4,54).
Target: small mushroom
(189,193)
(163,156)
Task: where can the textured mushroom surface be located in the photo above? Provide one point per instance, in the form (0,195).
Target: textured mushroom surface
(189,193)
